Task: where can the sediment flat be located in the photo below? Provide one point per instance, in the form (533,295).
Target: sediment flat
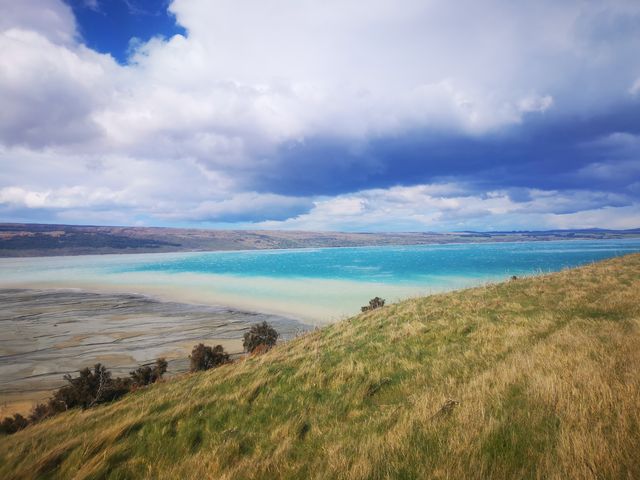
(46,334)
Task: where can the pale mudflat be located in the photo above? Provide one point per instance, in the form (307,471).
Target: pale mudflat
(48,333)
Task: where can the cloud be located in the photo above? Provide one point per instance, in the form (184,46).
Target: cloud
(92,4)
(53,20)
(447,207)
(49,92)
(535,103)
(244,207)
(64,198)
(614,218)
(306,111)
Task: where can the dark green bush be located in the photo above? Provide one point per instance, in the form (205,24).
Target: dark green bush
(260,335)
(204,358)
(146,375)
(89,388)
(40,412)
(374,303)
(12,424)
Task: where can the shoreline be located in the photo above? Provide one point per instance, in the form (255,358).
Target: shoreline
(286,297)
(61,314)
(48,333)
(317,292)
(626,237)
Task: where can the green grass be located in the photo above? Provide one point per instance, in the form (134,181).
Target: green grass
(545,370)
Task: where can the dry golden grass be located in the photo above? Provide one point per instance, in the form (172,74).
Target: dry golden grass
(533,378)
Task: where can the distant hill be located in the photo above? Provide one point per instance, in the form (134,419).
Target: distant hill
(532,378)
(23,240)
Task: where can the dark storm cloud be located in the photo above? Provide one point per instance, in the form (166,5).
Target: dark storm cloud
(550,153)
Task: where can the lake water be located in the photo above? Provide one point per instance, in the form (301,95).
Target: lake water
(314,285)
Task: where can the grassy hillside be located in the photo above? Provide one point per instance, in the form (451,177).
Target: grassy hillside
(532,378)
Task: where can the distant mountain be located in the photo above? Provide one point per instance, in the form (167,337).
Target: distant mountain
(580,231)
(24,240)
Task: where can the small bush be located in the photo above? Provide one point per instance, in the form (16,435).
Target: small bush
(204,358)
(12,424)
(89,388)
(146,375)
(40,412)
(374,303)
(260,335)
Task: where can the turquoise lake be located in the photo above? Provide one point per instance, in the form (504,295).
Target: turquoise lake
(397,265)
(316,285)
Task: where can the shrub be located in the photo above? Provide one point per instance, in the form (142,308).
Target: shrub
(260,335)
(89,388)
(147,375)
(374,303)
(12,424)
(204,358)
(160,367)
(40,412)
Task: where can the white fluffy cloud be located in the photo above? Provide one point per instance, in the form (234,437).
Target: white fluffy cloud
(51,19)
(255,73)
(50,92)
(172,135)
(447,207)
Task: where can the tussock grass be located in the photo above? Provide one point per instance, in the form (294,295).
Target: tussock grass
(533,378)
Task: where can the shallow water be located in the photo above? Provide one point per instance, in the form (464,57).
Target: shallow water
(316,285)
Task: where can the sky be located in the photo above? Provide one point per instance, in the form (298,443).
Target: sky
(350,115)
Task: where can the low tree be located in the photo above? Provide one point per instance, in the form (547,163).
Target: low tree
(89,388)
(204,358)
(146,375)
(374,303)
(13,424)
(262,336)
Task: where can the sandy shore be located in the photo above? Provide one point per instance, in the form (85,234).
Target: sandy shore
(47,333)
(314,300)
